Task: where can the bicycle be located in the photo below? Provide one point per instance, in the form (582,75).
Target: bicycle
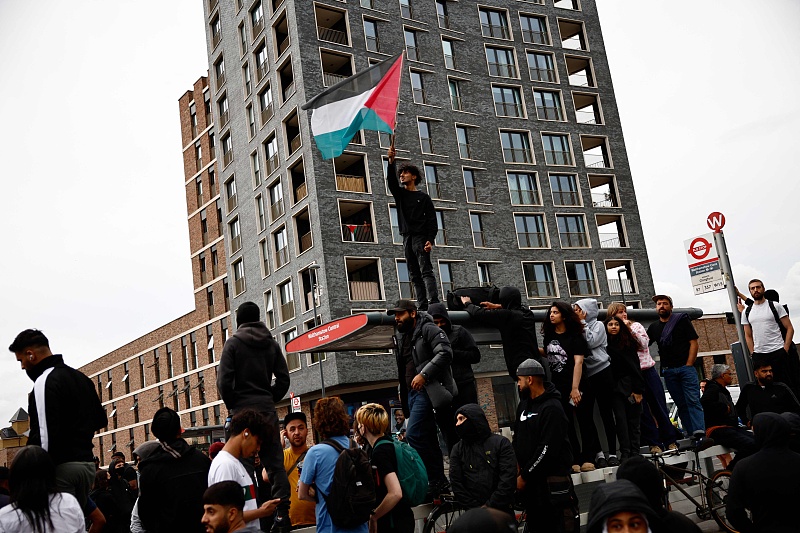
(713,488)
(447,510)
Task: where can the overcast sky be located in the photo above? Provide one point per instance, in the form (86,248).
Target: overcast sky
(93,218)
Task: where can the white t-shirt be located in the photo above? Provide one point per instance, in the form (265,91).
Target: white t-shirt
(766,332)
(226,467)
(65,512)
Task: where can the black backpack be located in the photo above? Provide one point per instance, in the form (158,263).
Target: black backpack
(476,294)
(774,314)
(352,495)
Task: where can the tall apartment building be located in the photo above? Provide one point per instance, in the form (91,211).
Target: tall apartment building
(175,365)
(508,108)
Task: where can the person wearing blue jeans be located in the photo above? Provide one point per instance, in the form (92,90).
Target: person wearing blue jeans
(677,347)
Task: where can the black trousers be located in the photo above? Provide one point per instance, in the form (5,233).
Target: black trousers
(597,388)
(420,269)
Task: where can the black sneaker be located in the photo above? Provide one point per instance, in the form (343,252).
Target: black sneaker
(601,463)
(281,524)
(613,461)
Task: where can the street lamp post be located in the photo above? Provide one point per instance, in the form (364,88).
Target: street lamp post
(314,270)
(621,288)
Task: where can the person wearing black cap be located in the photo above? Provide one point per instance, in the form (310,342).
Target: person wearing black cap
(620,506)
(172,479)
(427,387)
(295,429)
(251,360)
(64,411)
(544,453)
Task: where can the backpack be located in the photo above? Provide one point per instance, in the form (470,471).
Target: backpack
(476,294)
(774,314)
(352,495)
(411,472)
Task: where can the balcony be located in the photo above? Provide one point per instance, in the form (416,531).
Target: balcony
(227,157)
(357,233)
(232,202)
(603,191)
(610,240)
(281,257)
(287,311)
(300,192)
(345,182)
(574,240)
(582,287)
(331,35)
(532,240)
(305,242)
(595,152)
(295,143)
(541,289)
(329,78)
(282,46)
(364,290)
(276,210)
(614,286)
(267,114)
(220,79)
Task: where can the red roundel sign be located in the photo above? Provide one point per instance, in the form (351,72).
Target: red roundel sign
(700,248)
(716,221)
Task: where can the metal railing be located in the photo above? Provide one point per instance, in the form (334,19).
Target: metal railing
(517,155)
(271,164)
(615,288)
(573,240)
(357,233)
(493,30)
(281,257)
(540,289)
(227,157)
(557,157)
(548,112)
(203,277)
(595,161)
(345,182)
(198,163)
(300,192)
(223,118)
(543,74)
(330,78)
(236,243)
(534,36)
(524,197)
(591,116)
(276,210)
(205,238)
(331,35)
(532,240)
(456,103)
(603,199)
(305,242)
(364,290)
(261,71)
(258,26)
(505,109)
(288,91)
(266,114)
(566,198)
(506,70)
(611,240)
(220,79)
(232,202)
(581,287)
(284,44)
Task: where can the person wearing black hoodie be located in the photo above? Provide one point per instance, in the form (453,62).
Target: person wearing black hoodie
(619,504)
(250,360)
(544,454)
(483,466)
(516,324)
(465,354)
(767,482)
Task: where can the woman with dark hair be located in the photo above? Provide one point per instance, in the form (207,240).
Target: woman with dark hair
(564,349)
(35,504)
(628,385)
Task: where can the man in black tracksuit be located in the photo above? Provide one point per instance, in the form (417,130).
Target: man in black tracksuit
(765,395)
(465,354)
(64,411)
(483,467)
(417,219)
(516,324)
(249,361)
(544,454)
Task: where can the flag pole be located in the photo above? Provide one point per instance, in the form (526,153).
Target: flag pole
(397,106)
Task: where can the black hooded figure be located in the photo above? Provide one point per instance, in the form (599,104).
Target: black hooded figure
(516,324)
(465,354)
(483,466)
(767,482)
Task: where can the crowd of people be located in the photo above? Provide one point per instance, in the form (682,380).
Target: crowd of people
(265,477)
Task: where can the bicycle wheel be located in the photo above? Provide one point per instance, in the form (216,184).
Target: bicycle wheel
(716,494)
(442,517)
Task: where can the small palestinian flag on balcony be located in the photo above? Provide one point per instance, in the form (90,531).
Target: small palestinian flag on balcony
(368,100)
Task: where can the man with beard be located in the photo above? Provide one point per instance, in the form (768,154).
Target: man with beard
(677,347)
(427,387)
(302,513)
(544,454)
(483,467)
(765,395)
(465,354)
(223,508)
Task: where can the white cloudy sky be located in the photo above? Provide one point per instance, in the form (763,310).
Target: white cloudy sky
(93,211)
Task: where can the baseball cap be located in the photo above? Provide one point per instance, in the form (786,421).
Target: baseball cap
(530,367)
(658,297)
(299,415)
(402,305)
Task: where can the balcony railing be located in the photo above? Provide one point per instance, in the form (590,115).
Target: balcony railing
(261,71)
(266,114)
(532,240)
(506,70)
(305,242)
(603,199)
(517,155)
(220,79)
(351,183)
(357,233)
(198,163)
(373,43)
(223,118)
(524,197)
(587,116)
(214,270)
(330,78)
(331,35)
(543,74)
(205,238)
(566,198)
(227,157)
(364,290)
(540,289)
(614,286)
(534,36)
(276,210)
(595,161)
(581,287)
(505,109)
(479,239)
(232,202)
(287,311)
(295,143)
(271,164)
(574,240)
(548,113)
(300,192)
(493,30)
(412,52)
(238,286)
(611,240)
(288,91)
(258,26)
(236,243)
(281,257)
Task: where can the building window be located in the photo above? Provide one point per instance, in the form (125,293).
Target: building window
(595,152)
(236,235)
(255,163)
(364,278)
(432,181)
(251,121)
(412,47)
(238,277)
(567,4)
(541,67)
(572,231)
(572,35)
(287,301)
(565,189)
(449,51)
(198,156)
(281,247)
(539,280)
(219,70)
(425,140)
(604,191)
(478,236)
(581,278)
(263,253)
(508,101)
(292,359)
(455,94)
(269,309)
(262,66)
(396,237)
(463,143)
(170,366)
(227,150)
(193,346)
(534,29)
(417,87)
(441,233)
(223,322)
(276,206)
(469,185)
(516,146)
(501,62)
(441,14)
(271,154)
(579,70)
(523,188)
(406,11)
(230,193)
(257,19)
(548,105)
(531,231)
(142,375)
(242,39)
(446,277)
(556,149)
(404,281)
(371,35)
(485,274)
(494,23)
(185,354)
(247,80)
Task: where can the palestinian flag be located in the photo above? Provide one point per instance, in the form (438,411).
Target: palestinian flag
(367,100)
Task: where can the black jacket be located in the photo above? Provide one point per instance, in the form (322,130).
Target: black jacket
(625,368)
(172,481)
(465,352)
(250,359)
(72,410)
(718,408)
(415,212)
(430,349)
(517,328)
(774,398)
(766,482)
(541,440)
(483,467)
(609,499)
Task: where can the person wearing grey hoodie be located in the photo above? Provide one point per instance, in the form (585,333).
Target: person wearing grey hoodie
(597,385)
